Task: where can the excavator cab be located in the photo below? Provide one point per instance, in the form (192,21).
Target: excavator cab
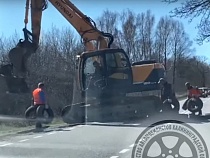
(104,74)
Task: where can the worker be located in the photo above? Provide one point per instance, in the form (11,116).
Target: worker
(39,95)
(167,93)
(39,100)
(192,91)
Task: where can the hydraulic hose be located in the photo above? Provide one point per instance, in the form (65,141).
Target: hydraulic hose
(111,38)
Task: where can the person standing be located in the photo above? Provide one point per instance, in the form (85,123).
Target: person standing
(39,103)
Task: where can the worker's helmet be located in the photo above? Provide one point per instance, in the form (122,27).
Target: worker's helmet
(41,84)
(187,84)
(161,81)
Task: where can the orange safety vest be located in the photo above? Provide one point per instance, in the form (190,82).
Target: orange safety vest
(36,96)
(195,92)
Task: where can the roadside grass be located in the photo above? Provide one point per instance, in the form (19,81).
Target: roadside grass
(8,128)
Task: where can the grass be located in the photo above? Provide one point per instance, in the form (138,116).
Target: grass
(14,128)
(7,130)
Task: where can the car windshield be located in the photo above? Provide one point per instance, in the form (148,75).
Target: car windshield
(104,79)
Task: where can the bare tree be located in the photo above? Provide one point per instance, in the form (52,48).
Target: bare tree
(128,33)
(163,37)
(203,69)
(6,44)
(181,45)
(108,21)
(195,9)
(145,25)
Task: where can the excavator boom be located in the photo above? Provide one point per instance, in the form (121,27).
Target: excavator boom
(84,25)
(37,6)
(92,38)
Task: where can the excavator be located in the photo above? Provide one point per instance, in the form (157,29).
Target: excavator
(107,86)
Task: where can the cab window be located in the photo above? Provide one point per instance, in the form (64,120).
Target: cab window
(116,60)
(92,63)
(121,60)
(110,60)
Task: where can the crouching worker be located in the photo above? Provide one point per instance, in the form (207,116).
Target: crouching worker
(168,93)
(39,103)
(193,92)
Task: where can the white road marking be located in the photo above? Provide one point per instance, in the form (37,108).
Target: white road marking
(137,124)
(6,144)
(23,140)
(51,133)
(131,146)
(123,151)
(114,156)
(70,128)
(38,136)
(108,123)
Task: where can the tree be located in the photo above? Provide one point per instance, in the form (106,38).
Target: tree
(195,9)
(163,37)
(203,69)
(108,21)
(145,27)
(180,44)
(128,33)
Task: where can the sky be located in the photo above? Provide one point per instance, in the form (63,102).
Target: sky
(12,15)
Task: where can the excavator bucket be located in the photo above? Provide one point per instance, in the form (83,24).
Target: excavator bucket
(16,85)
(9,83)
(14,73)
(18,56)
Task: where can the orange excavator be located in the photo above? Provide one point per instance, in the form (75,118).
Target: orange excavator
(107,86)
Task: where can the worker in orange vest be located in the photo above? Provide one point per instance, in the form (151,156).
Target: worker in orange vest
(39,102)
(192,92)
(39,95)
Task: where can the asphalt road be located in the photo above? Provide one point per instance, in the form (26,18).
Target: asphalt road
(115,140)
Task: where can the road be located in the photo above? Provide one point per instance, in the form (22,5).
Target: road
(87,141)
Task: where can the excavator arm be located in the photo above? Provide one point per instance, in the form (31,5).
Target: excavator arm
(18,56)
(84,25)
(92,38)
